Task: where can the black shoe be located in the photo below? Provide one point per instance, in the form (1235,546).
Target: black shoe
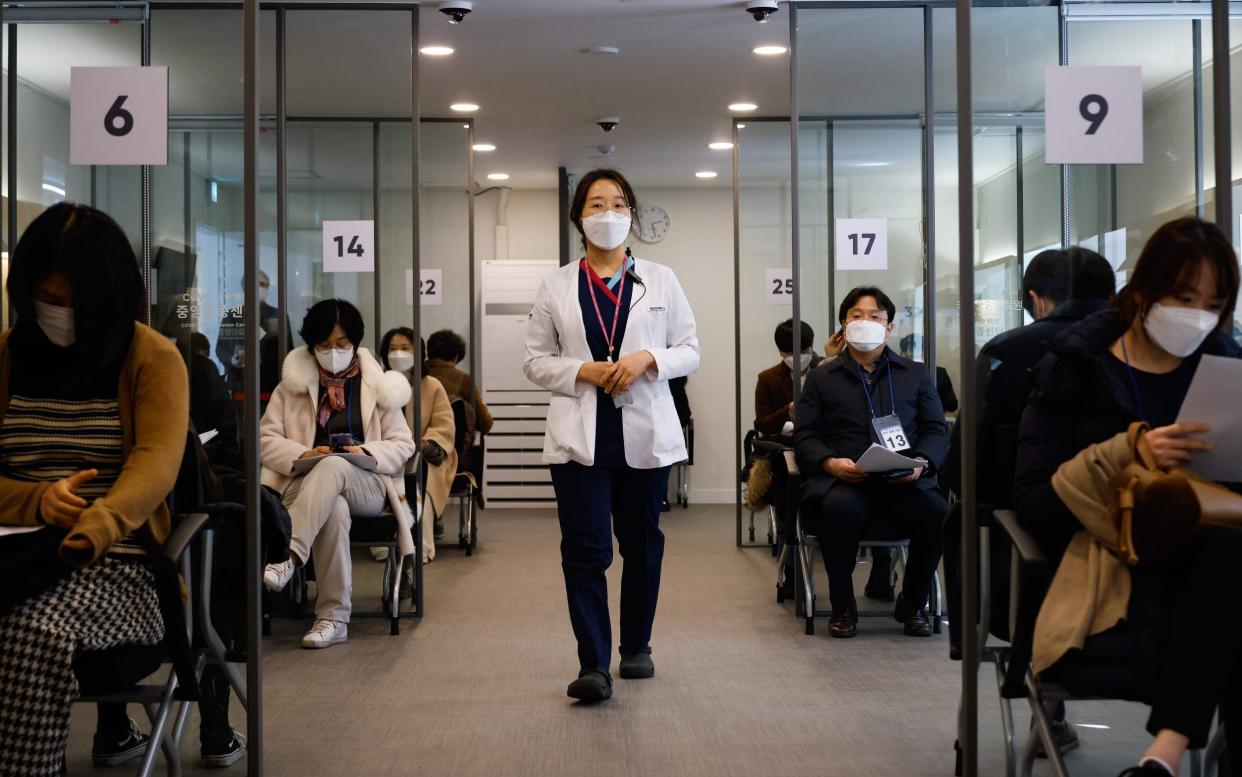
(1063,734)
(116,747)
(220,751)
(665,506)
(879,591)
(438,529)
(591,686)
(1149,769)
(915,619)
(636,666)
(843,623)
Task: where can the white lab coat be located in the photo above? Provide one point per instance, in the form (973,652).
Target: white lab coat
(660,321)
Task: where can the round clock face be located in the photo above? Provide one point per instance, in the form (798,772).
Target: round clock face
(653,224)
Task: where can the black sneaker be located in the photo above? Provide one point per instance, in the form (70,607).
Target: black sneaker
(438,529)
(1149,769)
(591,686)
(219,752)
(1063,734)
(636,666)
(113,748)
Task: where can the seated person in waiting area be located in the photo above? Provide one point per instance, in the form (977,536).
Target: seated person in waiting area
(845,406)
(334,397)
(774,407)
(445,350)
(1166,621)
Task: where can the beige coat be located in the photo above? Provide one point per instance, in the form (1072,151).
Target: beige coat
(437,424)
(288,427)
(1090,592)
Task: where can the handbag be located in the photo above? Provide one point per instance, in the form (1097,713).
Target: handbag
(1158,512)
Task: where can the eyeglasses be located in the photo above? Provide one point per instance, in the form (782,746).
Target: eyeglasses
(876,316)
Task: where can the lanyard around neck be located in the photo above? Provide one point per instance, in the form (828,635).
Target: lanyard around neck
(610,336)
(892,398)
(1138,397)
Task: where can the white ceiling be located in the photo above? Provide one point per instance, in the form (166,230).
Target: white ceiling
(681,63)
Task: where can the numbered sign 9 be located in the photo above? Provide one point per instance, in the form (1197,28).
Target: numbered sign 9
(118,115)
(862,244)
(349,246)
(430,287)
(779,285)
(1093,115)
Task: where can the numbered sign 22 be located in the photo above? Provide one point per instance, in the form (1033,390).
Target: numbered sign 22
(862,244)
(430,287)
(1093,115)
(778,285)
(349,246)
(118,115)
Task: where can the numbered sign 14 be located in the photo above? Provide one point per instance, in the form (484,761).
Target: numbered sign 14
(118,115)
(862,244)
(349,246)
(430,287)
(1093,115)
(778,285)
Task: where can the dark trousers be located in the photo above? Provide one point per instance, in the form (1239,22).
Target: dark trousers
(852,512)
(588,499)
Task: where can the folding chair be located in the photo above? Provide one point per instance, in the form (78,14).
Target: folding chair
(752,443)
(465,489)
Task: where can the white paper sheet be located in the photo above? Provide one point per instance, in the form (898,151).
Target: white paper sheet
(877,458)
(1213,400)
(9,531)
(302,466)
(208,436)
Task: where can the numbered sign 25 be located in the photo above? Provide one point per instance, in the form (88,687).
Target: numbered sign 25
(430,287)
(778,285)
(1093,115)
(862,244)
(118,115)
(349,246)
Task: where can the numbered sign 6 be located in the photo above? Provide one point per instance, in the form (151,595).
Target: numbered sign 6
(349,246)
(778,285)
(430,287)
(862,244)
(118,115)
(1093,115)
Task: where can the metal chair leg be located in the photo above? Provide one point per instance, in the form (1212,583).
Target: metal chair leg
(1007,732)
(1216,750)
(1196,763)
(1039,713)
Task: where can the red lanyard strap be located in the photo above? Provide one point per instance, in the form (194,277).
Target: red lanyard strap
(610,337)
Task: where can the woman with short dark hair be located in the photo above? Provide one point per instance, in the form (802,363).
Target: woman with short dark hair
(334,397)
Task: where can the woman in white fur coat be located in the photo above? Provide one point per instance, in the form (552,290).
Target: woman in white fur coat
(334,395)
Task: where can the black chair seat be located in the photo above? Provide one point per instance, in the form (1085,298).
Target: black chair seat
(116,669)
(379,529)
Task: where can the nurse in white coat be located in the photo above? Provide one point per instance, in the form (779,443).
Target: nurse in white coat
(605,336)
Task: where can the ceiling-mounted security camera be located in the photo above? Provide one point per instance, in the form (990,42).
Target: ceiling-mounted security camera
(456,10)
(608,123)
(760,10)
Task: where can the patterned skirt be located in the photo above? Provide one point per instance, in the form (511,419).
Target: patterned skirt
(108,604)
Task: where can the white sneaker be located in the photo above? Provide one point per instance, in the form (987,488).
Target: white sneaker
(325,633)
(277,576)
(380,553)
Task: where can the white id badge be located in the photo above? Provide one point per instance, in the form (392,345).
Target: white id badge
(623,399)
(891,433)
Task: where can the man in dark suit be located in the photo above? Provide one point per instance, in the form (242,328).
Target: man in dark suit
(774,388)
(870,394)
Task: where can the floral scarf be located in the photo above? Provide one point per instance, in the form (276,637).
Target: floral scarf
(333,400)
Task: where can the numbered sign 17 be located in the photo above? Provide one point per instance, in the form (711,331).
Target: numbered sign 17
(349,246)
(1093,115)
(118,115)
(862,244)
(430,287)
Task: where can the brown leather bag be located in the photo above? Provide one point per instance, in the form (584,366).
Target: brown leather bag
(1158,511)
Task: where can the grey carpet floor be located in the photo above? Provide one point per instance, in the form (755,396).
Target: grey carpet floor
(477,688)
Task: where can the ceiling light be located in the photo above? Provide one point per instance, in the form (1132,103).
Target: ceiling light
(722,145)
(769,51)
(464,107)
(436,51)
(743,107)
(705,174)
(465,126)
(497,176)
(741,126)
(54,189)
(604,51)
(483,147)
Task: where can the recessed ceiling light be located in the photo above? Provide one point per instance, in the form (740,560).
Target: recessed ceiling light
(498,176)
(721,145)
(741,126)
(464,107)
(705,174)
(604,51)
(743,107)
(465,126)
(769,51)
(484,147)
(436,51)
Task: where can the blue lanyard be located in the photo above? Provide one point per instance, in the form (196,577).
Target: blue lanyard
(892,398)
(1138,398)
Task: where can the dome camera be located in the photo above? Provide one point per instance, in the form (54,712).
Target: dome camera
(760,10)
(456,10)
(608,123)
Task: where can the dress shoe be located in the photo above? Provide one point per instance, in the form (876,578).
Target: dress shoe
(914,618)
(591,686)
(843,623)
(636,666)
(1148,769)
(879,591)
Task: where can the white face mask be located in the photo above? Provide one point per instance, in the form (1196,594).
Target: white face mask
(401,361)
(866,336)
(56,322)
(1180,331)
(805,358)
(606,230)
(336,360)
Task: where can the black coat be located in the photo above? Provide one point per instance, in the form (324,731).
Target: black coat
(833,419)
(1074,404)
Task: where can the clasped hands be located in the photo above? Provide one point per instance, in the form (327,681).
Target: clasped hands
(617,377)
(61,506)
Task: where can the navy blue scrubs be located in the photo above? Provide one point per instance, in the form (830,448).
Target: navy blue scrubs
(608,498)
